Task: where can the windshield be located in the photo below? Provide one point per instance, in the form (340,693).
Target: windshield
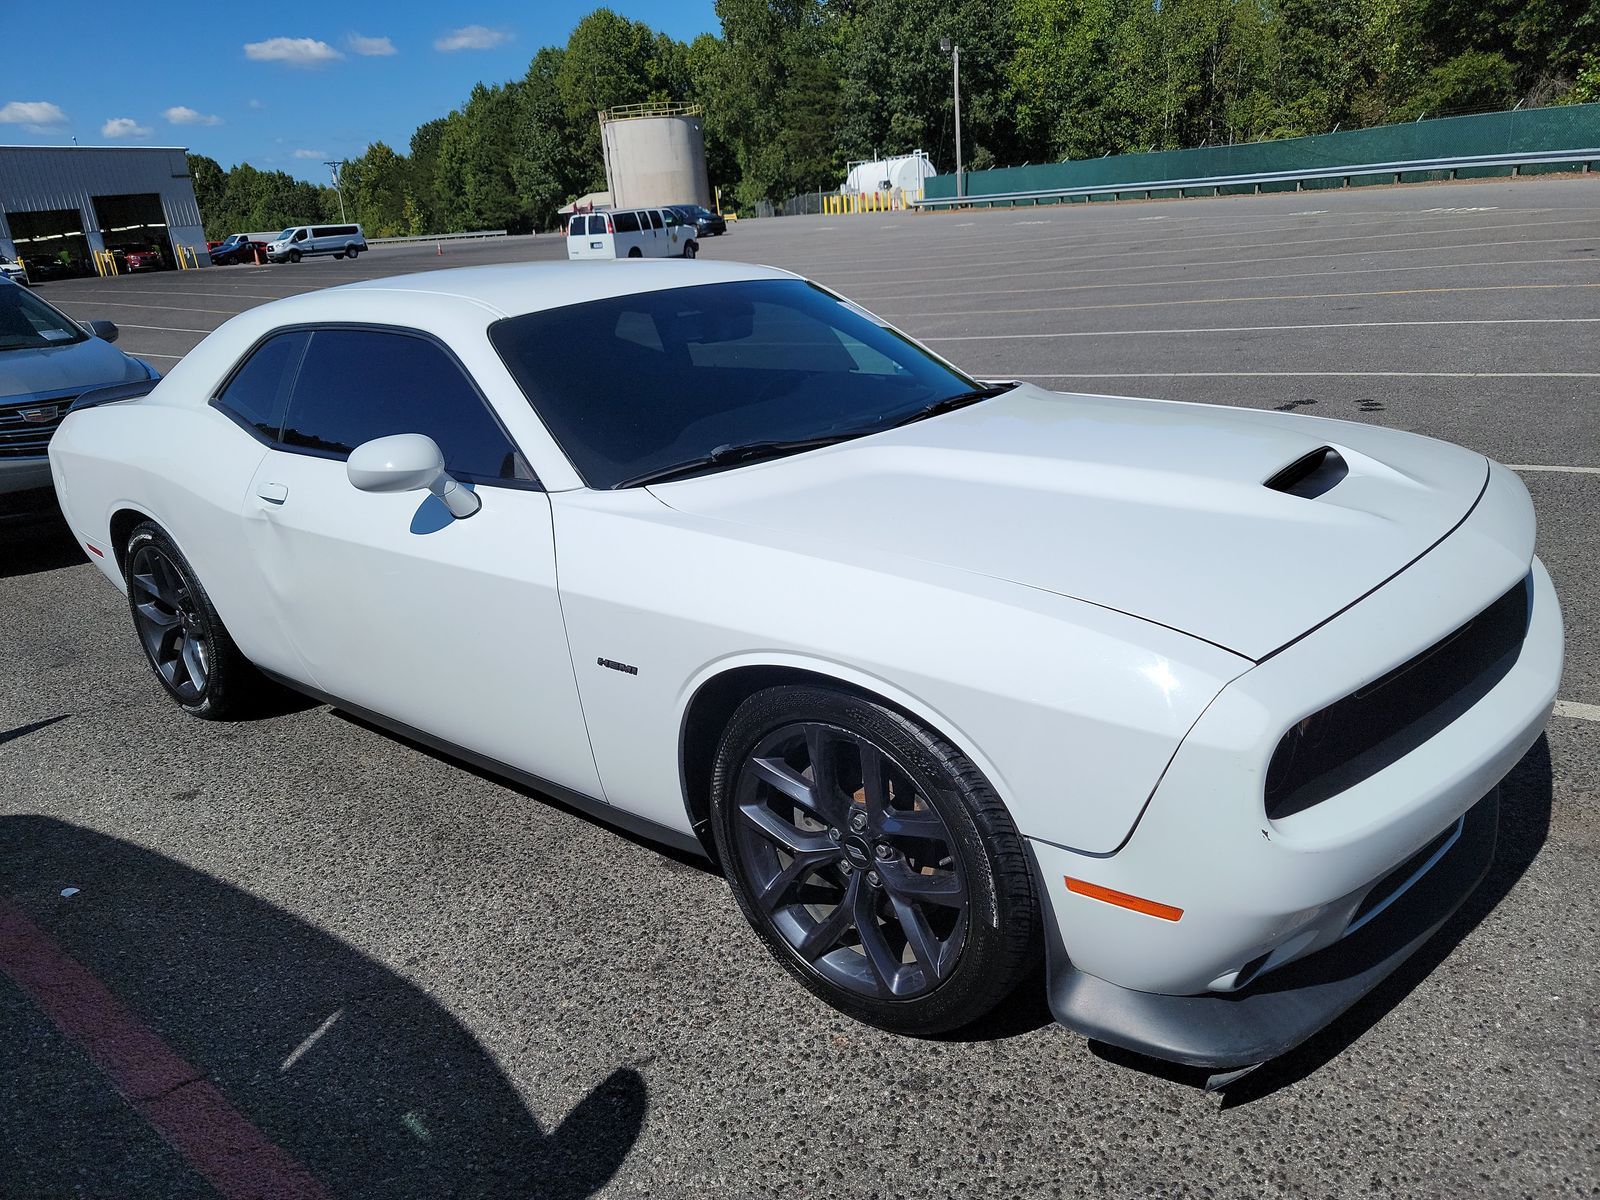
(286,235)
(634,384)
(28,323)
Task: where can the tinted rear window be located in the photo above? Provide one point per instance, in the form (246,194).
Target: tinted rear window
(358,384)
(258,393)
(578,226)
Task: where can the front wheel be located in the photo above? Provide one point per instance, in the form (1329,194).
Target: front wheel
(690,249)
(873,859)
(352,252)
(183,637)
(294,256)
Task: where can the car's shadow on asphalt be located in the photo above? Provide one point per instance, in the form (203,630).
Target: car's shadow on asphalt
(1526,796)
(34,538)
(166,1030)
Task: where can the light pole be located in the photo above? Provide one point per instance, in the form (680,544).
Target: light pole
(333,168)
(950,48)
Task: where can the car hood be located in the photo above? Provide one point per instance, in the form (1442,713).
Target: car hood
(1154,508)
(51,370)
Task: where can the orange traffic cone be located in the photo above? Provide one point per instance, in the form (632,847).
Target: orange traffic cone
(438,249)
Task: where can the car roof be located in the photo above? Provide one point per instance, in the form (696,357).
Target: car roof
(512,289)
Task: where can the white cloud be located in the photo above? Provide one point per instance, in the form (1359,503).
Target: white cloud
(254,104)
(472,37)
(122,127)
(372,47)
(316,154)
(180,114)
(38,116)
(296,52)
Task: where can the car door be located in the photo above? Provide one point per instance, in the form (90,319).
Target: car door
(450,627)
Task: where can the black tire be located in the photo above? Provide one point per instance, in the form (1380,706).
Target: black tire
(170,608)
(951,921)
(690,249)
(352,252)
(340,254)
(294,256)
(635,253)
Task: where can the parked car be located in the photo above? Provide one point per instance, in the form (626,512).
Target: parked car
(12,269)
(304,241)
(631,233)
(706,222)
(47,360)
(1205,705)
(141,258)
(237,248)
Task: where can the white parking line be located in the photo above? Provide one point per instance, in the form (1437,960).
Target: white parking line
(98,304)
(1082,333)
(1320,375)
(1582,712)
(1565,470)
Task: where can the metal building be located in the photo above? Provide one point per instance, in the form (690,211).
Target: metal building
(61,205)
(655,154)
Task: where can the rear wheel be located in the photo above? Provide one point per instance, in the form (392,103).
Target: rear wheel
(183,637)
(294,256)
(690,249)
(873,859)
(635,253)
(353,251)
(340,254)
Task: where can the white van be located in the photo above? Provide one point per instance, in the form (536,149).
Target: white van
(631,233)
(303,241)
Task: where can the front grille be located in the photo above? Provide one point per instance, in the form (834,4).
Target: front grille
(21,437)
(1378,724)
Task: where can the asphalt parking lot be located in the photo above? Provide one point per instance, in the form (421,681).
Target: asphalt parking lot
(321,961)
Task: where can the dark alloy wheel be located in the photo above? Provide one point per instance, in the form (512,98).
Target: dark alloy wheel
(873,859)
(183,637)
(294,256)
(352,252)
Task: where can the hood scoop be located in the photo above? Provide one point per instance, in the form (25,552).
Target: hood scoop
(1311,475)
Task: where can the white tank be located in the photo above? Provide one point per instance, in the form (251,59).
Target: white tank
(655,154)
(901,172)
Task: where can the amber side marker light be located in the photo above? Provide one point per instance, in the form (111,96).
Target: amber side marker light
(1150,908)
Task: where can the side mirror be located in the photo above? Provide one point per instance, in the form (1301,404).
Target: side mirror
(408,462)
(104,330)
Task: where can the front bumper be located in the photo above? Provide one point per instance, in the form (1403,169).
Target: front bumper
(1271,1017)
(23,474)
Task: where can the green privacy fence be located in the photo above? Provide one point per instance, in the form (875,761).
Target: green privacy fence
(1429,147)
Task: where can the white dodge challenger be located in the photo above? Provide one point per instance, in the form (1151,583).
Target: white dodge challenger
(1207,706)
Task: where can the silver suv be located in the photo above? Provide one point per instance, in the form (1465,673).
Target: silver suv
(47,360)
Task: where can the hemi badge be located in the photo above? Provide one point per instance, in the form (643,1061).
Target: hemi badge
(616,666)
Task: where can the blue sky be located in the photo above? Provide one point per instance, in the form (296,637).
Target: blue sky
(286,86)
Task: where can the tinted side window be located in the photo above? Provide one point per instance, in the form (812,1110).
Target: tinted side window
(627,222)
(359,384)
(258,393)
(655,219)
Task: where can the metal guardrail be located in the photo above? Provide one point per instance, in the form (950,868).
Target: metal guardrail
(436,237)
(1355,171)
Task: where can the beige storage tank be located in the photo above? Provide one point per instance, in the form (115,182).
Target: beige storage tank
(655,154)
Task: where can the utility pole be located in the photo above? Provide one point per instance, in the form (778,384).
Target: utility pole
(333,168)
(954,51)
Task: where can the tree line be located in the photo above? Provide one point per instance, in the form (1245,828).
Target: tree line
(794,89)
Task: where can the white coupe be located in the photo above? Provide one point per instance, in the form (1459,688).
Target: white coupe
(1207,706)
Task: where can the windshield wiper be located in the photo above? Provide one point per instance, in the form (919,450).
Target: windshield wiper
(739,452)
(951,403)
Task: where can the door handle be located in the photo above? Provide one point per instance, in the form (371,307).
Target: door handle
(272,493)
